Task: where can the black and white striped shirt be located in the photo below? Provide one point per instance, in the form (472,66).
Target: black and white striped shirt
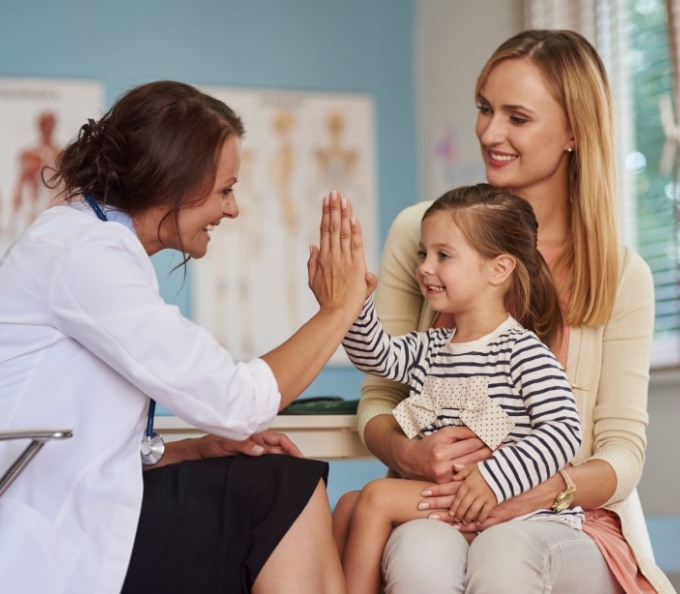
(519,375)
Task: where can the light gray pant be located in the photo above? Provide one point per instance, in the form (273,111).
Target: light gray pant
(531,557)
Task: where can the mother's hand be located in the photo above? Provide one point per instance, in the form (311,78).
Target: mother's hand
(433,457)
(438,499)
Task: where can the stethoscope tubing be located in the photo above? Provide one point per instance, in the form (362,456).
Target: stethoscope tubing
(152,444)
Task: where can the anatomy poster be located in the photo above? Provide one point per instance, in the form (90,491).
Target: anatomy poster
(37,117)
(251,289)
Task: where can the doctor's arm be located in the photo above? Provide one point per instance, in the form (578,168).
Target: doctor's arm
(340,282)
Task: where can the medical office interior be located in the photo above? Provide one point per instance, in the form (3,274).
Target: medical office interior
(405,71)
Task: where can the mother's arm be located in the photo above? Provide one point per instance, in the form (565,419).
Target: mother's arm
(595,480)
(619,414)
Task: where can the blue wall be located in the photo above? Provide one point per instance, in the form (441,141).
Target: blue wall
(342,45)
(348,45)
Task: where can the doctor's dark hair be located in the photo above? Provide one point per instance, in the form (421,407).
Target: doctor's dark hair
(494,222)
(159,144)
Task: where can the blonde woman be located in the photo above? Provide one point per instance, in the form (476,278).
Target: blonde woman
(545,127)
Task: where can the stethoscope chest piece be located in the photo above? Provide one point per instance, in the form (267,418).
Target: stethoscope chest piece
(152,449)
(152,446)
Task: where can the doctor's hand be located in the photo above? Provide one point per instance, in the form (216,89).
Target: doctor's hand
(213,446)
(336,269)
(271,442)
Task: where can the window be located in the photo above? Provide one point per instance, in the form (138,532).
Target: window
(632,37)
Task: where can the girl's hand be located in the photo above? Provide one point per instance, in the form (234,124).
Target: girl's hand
(474,499)
(540,497)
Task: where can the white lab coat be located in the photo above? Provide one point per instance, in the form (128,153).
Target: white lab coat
(85,340)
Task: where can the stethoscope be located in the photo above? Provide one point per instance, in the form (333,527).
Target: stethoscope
(152,446)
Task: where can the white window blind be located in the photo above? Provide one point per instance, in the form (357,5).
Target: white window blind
(637,40)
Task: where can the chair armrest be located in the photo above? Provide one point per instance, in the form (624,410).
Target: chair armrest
(37,434)
(38,437)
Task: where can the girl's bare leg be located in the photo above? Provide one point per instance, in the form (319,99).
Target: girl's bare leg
(381,505)
(306,560)
(342,516)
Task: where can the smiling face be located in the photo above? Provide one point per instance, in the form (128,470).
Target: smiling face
(452,275)
(523,132)
(198,218)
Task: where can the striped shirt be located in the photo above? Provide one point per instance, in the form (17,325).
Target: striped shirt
(519,375)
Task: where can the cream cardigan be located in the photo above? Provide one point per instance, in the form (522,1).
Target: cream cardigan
(611,396)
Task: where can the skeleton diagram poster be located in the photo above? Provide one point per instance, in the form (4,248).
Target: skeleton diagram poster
(37,117)
(251,289)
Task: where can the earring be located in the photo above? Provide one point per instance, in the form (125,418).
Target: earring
(570,150)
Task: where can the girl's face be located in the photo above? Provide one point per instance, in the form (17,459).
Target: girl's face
(196,221)
(523,132)
(452,275)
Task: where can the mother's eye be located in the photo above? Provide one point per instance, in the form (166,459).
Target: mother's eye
(518,120)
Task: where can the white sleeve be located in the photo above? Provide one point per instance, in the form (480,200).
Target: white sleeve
(104,295)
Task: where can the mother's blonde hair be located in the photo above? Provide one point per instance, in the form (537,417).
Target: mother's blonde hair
(588,269)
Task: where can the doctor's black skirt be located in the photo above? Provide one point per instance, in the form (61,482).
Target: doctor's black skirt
(209,526)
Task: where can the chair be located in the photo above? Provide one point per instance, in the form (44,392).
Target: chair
(38,437)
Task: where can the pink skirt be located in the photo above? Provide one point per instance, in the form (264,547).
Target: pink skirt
(604,528)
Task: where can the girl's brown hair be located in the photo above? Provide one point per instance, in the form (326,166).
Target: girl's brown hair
(494,222)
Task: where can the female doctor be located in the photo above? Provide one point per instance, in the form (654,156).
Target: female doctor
(88,343)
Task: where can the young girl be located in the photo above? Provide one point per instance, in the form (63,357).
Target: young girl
(478,261)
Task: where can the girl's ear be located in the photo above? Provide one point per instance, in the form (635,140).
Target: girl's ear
(503,267)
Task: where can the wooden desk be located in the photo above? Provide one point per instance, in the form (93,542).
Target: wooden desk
(327,437)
